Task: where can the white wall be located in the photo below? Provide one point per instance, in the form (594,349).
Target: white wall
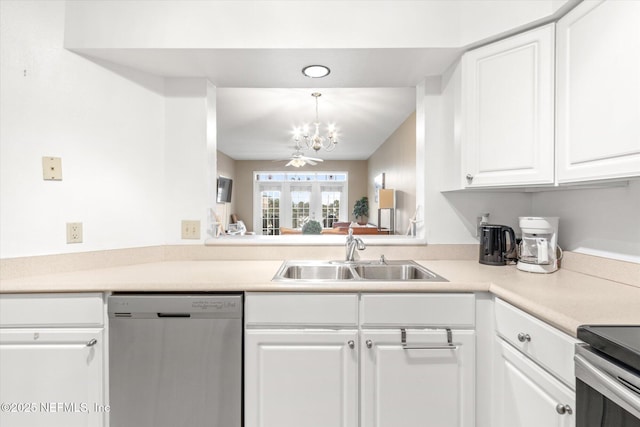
(107,126)
(211,166)
(188,179)
(603,222)
(227,168)
(268,24)
(136,163)
(396,158)
(450,217)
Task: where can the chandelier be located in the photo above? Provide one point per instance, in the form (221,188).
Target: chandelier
(315,140)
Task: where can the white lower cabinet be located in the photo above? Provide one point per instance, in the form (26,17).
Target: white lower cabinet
(533,371)
(427,386)
(301,378)
(304,369)
(52,360)
(51,377)
(527,395)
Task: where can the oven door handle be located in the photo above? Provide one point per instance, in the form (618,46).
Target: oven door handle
(626,395)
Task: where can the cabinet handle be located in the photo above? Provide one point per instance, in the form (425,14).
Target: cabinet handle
(563,409)
(351,343)
(92,342)
(369,343)
(469,178)
(522,337)
(450,345)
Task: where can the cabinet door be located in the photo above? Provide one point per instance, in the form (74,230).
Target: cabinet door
(527,395)
(411,388)
(508,109)
(51,377)
(544,344)
(299,378)
(598,129)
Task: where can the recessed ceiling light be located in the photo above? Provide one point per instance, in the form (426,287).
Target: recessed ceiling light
(316,71)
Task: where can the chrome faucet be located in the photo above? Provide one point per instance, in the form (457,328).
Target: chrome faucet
(352,244)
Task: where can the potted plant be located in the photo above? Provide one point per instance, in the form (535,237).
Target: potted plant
(312,227)
(361,210)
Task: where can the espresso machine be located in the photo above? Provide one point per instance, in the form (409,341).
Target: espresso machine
(537,249)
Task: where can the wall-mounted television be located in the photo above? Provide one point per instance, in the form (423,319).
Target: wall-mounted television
(224,190)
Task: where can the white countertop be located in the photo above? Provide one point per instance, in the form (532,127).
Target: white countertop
(565,299)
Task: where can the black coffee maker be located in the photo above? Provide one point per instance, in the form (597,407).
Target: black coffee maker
(497,244)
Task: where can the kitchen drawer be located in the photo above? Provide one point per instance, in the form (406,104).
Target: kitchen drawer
(546,345)
(301,309)
(416,310)
(24,310)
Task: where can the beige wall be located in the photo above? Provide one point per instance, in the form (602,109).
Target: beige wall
(243,182)
(227,168)
(396,157)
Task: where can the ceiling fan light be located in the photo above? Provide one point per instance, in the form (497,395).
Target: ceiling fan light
(296,163)
(316,71)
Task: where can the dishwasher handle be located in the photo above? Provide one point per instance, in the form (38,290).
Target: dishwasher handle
(182,315)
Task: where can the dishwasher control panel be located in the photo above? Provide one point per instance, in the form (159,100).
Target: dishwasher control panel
(175,305)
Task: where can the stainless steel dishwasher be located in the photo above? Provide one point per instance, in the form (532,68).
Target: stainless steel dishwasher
(175,360)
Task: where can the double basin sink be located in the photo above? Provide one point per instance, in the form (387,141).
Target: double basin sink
(312,271)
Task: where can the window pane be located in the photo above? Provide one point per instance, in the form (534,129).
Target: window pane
(300,204)
(300,177)
(270,176)
(270,207)
(338,177)
(330,207)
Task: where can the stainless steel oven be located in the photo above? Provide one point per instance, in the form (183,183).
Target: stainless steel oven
(608,376)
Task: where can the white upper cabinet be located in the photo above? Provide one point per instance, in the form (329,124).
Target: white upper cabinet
(508,111)
(598,93)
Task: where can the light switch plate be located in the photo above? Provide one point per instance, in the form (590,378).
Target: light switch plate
(190,229)
(52,168)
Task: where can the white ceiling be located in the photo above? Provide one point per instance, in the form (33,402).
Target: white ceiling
(269,68)
(261,47)
(262,93)
(257,123)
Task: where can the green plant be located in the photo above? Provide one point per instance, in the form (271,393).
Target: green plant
(361,207)
(312,227)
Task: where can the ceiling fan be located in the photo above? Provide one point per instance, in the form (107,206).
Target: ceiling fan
(298,159)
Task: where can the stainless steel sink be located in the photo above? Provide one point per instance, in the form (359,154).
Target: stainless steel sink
(316,272)
(324,271)
(394,272)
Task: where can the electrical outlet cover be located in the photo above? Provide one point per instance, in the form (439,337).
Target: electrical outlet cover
(74,232)
(52,168)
